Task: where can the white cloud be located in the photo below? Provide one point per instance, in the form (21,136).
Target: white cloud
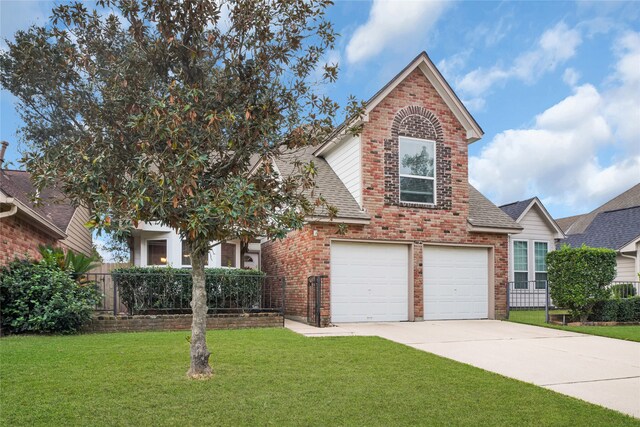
(571,76)
(555,46)
(559,156)
(389,22)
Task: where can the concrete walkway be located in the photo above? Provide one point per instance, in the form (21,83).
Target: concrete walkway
(600,370)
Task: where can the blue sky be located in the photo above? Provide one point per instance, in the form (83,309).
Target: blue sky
(554,85)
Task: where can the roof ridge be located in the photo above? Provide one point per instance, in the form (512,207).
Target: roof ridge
(621,209)
(518,201)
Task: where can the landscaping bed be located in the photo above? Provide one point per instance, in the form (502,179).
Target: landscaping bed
(264,377)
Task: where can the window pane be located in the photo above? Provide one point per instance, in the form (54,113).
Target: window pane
(186,255)
(541,280)
(520,256)
(520,280)
(416,190)
(416,157)
(228,255)
(541,256)
(156,252)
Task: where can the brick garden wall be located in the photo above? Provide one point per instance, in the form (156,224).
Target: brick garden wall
(180,322)
(20,239)
(414,109)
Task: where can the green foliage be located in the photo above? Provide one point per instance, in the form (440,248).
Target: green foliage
(146,289)
(578,277)
(623,290)
(616,310)
(40,297)
(71,262)
(156,111)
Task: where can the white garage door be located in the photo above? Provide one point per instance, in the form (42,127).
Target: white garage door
(369,282)
(456,283)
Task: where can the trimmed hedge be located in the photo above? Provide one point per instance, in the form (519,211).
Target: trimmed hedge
(616,310)
(578,278)
(150,289)
(40,297)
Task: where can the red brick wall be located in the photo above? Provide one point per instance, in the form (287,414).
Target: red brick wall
(20,239)
(412,107)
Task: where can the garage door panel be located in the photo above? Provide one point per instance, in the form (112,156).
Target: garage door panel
(455,283)
(369,282)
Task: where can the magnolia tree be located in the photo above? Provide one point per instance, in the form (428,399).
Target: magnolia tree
(156,111)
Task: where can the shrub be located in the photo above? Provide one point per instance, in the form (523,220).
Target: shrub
(578,278)
(147,289)
(616,310)
(40,297)
(623,290)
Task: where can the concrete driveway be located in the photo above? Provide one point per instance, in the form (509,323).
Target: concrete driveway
(603,371)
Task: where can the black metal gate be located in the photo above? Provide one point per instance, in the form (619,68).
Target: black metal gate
(314,299)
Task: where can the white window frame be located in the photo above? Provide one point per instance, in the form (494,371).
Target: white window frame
(533,261)
(513,261)
(435,172)
(166,247)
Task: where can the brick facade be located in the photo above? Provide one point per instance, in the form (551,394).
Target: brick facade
(413,108)
(18,238)
(181,322)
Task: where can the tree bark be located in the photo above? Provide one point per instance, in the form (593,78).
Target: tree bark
(200,368)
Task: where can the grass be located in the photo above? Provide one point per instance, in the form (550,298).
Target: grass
(536,317)
(264,377)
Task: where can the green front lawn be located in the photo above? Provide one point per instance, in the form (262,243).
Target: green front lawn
(264,377)
(536,317)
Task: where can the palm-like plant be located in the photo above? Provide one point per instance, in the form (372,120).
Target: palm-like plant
(76,263)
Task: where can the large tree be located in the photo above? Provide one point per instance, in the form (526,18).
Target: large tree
(156,110)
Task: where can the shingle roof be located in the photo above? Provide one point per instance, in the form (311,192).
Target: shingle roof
(515,209)
(565,223)
(328,185)
(612,229)
(483,213)
(629,198)
(55,208)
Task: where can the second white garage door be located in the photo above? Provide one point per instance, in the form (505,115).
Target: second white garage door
(369,282)
(456,283)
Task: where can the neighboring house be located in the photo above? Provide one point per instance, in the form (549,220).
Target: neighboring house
(528,249)
(421,243)
(154,245)
(614,225)
(24,226)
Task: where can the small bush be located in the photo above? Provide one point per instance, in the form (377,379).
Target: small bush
(146,289)
(578,278)
(40,297)
(616,310)
(623,290)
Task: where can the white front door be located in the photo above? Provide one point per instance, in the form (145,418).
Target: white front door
(369,282)
(456,282)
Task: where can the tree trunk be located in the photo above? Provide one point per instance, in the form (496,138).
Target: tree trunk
(199,353)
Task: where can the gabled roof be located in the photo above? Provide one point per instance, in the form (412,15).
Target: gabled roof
(484,214)
(517,211)
(431,72)
(54,209)
(565,223)
(611,229)
(628,199)
(327,185)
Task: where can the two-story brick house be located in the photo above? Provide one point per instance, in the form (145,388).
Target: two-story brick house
(420,243)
